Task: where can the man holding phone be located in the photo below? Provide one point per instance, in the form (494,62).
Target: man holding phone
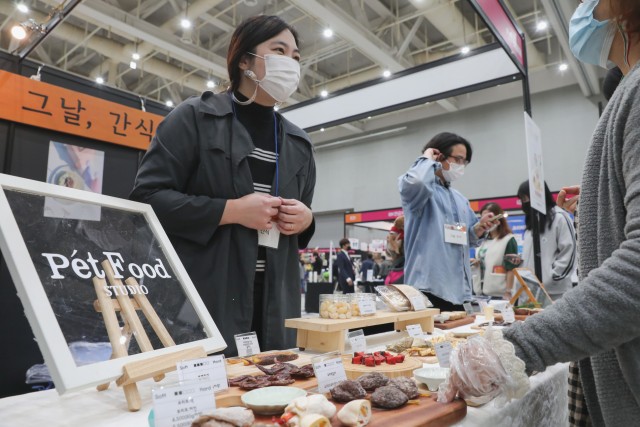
(439,223)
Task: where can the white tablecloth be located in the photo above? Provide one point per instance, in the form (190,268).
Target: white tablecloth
(544,405)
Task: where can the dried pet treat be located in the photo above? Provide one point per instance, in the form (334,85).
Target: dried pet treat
(356,413)
(348,390)
(372,381)
(235,416)
(406,385)
(388,397)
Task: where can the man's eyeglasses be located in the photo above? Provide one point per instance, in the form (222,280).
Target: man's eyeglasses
(459,160)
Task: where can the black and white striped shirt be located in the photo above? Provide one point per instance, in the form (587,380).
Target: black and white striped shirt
(259,122)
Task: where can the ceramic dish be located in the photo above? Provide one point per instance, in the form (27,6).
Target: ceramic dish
(271,400)
(431,376)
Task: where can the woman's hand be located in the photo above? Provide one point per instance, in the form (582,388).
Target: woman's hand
(432,153)
(254,211)
(293,217)
(507,296)
(484,224)
(569,204)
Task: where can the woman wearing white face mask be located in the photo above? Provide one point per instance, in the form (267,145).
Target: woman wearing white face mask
(597,321)
(439,223)
(232,181)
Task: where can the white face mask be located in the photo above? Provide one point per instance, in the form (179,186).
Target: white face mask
(281,76)
(455,172)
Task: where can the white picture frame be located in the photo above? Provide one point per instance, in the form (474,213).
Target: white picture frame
(66,374)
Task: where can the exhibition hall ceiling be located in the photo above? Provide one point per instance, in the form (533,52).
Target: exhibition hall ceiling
(169,50)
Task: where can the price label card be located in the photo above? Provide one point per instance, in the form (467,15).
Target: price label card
(211,369)
(369,277)
(179,405)
(508,315)
(468,308)
(367,306)
(329,373)
(417,302)
(357,340)
(443,351)
(269,238)
(247,344)
(415,330)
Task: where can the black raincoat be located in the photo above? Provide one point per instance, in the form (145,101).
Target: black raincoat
(195,163)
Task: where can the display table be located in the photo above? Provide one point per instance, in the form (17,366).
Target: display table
(312,296)
(544,404)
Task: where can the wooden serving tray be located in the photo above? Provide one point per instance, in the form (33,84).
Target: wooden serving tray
(426,413)
(404,369)
(450,324)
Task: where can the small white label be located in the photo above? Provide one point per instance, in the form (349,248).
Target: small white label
(269,238)
(357,340)
(247,344)
(369,277)
(211,369)
(329,373)
(508,315)
(417,302)
(367,306)
(443,351)
(455,234)
(415,330)
(179,405)
(468,308)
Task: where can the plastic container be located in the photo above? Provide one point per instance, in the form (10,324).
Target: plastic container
(393,298)
(362,304)
(334,306)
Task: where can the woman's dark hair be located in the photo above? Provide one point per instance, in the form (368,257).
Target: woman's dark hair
(627,12)
(523,190)
(503,228)
(445,141)
(249,34)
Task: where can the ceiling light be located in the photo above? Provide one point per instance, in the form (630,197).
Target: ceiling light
(465,50)
(185,23)
(133,65)
(321,129)
(22,7)
(542,25)
(563,67)
(276,108)
(99,80)
(135,56)
(169,103)
(211,84)
(369,118)
(386,73)
(328,32)
(18,32)
(324,93)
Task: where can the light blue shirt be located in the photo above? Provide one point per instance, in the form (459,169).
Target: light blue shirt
(431,264)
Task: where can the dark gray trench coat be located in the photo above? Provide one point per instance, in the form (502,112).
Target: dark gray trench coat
(195,163)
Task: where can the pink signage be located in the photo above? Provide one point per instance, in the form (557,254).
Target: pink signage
(370,216)
(500,20)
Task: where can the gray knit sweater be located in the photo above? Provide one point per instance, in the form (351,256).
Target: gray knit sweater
(600,318)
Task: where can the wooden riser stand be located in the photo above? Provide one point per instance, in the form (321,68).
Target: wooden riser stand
(329,334)
(136,371)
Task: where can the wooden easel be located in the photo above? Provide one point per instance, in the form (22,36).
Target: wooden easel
(136,371)
(525,288)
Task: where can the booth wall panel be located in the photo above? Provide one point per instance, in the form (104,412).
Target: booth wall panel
(329,226)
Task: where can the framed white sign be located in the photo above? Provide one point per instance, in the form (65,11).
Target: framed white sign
(52,260)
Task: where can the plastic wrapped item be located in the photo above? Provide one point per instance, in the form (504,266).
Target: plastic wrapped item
(477,374)
(38,374)
(412,295)
(393,298)
(362,304)
(335,306)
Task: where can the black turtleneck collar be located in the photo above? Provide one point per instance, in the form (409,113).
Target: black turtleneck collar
(253,113)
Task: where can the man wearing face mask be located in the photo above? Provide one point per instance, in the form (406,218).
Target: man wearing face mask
(439,223)
(595,323)
(231,181)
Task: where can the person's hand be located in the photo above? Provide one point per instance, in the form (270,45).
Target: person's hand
(474,261)
(476,372)
(293,217)
(349,282)
(507,296)
(432,153)
(254,211)
(484,224)
(569,204)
